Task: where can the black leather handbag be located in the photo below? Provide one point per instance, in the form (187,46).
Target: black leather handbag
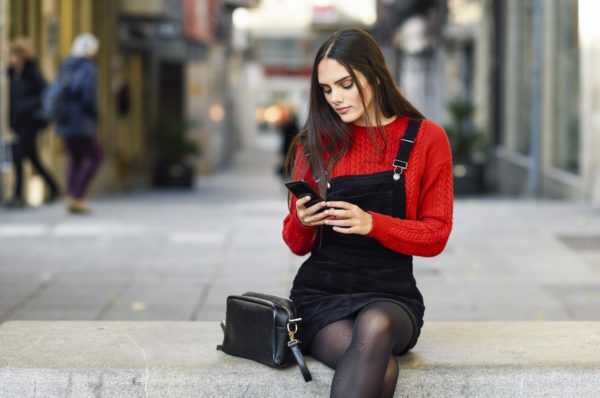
(262,327)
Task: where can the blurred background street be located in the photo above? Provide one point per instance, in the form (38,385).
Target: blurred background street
(177,255)
(195,99)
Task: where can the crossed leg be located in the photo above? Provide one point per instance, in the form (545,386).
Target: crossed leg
(362,350)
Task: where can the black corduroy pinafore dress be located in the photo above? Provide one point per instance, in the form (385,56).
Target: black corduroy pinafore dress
(344,273)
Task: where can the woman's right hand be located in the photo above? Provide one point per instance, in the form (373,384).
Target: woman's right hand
(310,217)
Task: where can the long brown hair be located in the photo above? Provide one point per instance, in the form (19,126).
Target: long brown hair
(324,131)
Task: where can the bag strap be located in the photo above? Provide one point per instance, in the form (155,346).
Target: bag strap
(293,344)
(292,328)
(224,327)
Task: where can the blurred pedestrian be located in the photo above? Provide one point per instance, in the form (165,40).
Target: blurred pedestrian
(79,122)
(289,129)
(385,173)
(26,87)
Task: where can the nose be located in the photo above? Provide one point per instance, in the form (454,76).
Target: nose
(336,96)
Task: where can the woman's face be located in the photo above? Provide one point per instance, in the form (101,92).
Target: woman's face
(341,91)
(15,61)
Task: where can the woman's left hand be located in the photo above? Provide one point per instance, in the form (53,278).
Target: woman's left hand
(347,218)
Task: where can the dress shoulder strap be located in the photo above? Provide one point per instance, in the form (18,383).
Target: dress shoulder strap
(407,142)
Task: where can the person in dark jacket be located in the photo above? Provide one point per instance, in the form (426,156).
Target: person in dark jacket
(26,87)
(289,129)
(79,126)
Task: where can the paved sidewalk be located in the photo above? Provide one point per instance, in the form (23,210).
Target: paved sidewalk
(164,255)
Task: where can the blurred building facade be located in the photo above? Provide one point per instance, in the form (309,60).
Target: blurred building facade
(52,26)
(275,45)
(157,59)
(4,159)
(527,67)
(538,95)
(185,46)
(221,65)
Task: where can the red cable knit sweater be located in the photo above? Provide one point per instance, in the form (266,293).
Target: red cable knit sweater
(429,194)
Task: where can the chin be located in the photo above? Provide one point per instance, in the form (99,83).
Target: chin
(350,118)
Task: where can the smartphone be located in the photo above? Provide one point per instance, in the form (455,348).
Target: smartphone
(300,189)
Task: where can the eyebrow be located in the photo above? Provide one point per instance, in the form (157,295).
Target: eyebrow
(337,81)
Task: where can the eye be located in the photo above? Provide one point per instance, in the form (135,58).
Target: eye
(326,91)
(348,85)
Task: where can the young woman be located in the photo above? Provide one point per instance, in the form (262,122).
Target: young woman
(26,87)
(386,175)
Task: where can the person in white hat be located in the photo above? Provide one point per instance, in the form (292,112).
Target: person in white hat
(79,124)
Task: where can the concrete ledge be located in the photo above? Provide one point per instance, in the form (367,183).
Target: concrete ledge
(178,359)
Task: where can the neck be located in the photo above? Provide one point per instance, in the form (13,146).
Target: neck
(384,120)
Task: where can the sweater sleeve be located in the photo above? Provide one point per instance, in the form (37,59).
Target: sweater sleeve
(428,234)
(299,238)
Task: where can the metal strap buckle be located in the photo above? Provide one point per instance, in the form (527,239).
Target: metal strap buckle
(399,165)
(292,333)
(295,327)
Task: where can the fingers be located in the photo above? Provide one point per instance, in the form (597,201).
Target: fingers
(300,206)
(340,205)
(310,216)
(313,220)
(316,207)
(346,231)
(302,201)
(344,217)
(347,222)
(347,218)
(337,213)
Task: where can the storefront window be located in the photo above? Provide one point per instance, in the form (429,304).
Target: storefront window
(565,138)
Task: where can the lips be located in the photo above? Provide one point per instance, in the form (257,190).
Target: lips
(342,111)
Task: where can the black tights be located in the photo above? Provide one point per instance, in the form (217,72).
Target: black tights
(25,148)
(362,350)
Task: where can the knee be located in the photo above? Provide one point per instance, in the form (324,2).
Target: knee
(376,327)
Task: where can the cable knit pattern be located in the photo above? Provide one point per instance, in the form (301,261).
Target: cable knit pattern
(429,196)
